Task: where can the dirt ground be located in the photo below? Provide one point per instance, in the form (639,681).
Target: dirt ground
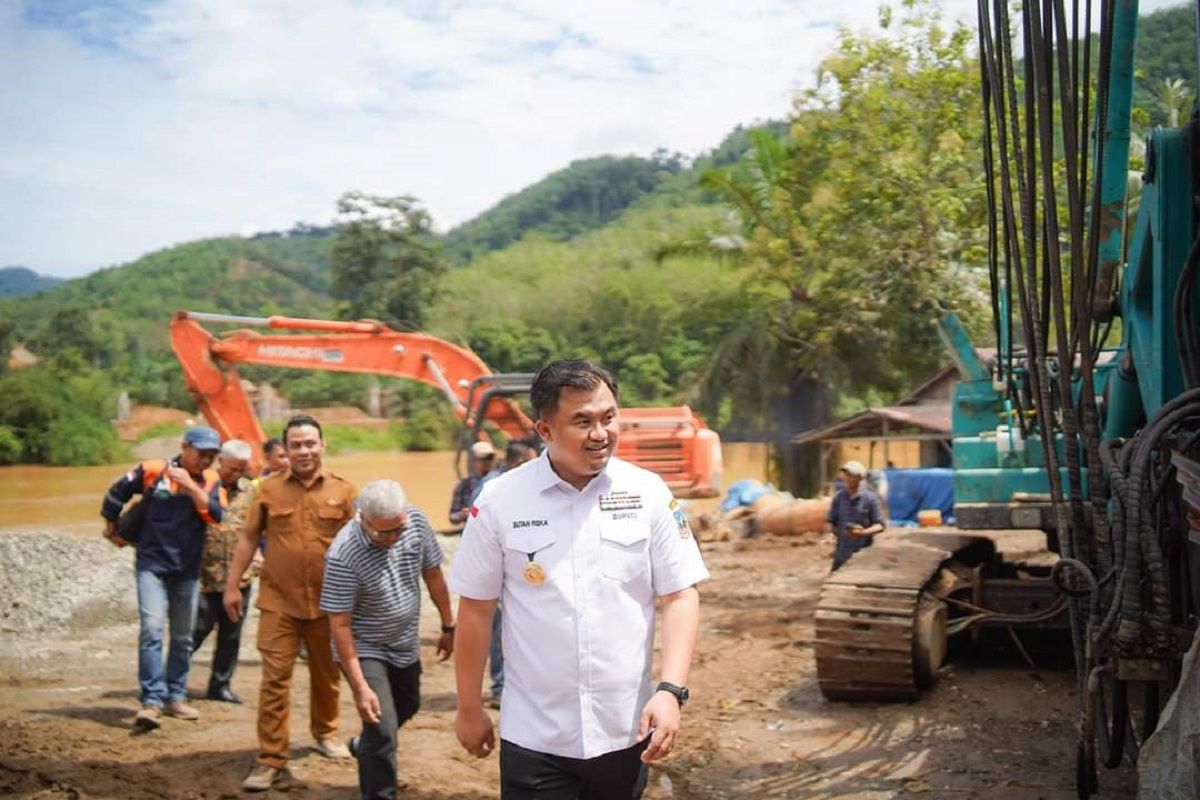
(758,726)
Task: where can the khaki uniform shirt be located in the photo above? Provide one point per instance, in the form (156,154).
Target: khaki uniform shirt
(298,525)
(221,539)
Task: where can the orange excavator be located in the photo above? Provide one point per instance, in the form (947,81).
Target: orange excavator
(672,442)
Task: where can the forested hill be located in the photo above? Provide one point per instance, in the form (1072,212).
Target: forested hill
(239,276)
(289,273)
(585,195)
(21,281)
(117,317)
(590,193)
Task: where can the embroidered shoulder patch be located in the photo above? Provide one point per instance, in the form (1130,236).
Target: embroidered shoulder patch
(681,520)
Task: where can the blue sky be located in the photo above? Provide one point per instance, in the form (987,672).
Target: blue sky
(130,126)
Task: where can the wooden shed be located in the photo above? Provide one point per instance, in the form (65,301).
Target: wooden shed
(915,432)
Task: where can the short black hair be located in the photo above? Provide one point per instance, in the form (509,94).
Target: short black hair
(575,373)
(518,447)
(299,421)
(271,445)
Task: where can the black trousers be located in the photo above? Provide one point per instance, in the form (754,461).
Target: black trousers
(399,693)
(529,775)
(210,613)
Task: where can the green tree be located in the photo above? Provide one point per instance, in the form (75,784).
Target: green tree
(7,327)
(67,329)
(863,223)
(76,438)
(873,214)
(386,263)
(512,345)
(644,380)
(10,446)
(428,423)
(59,413)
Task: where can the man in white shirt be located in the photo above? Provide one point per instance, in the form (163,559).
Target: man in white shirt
(577,545)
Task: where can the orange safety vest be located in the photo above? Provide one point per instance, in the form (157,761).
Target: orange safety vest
(152,470)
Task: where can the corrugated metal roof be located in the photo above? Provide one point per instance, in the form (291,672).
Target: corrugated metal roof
(931,418)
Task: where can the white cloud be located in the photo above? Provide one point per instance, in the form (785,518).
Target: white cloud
(127,129)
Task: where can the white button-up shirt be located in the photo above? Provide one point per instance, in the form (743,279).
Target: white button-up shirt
(577,647)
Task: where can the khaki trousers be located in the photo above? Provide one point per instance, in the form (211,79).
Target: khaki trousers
(279,637)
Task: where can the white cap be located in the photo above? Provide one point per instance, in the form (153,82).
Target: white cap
(482,450)
(854,468)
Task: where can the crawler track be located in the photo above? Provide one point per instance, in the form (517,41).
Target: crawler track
(867,623)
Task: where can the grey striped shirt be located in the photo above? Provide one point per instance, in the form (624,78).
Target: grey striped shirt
(381,588)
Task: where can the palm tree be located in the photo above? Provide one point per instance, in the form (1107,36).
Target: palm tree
(1174,98)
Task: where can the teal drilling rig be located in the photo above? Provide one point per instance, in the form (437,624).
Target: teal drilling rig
(1086,424)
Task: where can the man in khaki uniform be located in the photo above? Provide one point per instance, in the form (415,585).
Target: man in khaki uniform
(297,513)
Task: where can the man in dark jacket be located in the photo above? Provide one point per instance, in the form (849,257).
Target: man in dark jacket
(855,514)
(182,497)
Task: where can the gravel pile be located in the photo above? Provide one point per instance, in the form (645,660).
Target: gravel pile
(55,583)
(50,582)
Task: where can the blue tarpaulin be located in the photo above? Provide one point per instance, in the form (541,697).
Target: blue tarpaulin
(744,493)
(913,490)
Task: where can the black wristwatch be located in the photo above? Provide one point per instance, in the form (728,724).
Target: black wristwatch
(681,692)
(447,629)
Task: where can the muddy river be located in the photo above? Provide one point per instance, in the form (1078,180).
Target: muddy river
(68,498)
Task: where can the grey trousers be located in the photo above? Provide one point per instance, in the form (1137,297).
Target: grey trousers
(399,693)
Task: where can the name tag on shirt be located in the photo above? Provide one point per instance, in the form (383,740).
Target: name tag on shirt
(620,501)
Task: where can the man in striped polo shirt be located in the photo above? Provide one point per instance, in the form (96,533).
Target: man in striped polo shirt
(373,598)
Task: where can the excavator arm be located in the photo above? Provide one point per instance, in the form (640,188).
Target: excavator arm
(672,442)
(210,365)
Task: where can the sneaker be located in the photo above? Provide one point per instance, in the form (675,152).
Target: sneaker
(332,748)
(148,718)
(181,710)
(352,745)
(261,778)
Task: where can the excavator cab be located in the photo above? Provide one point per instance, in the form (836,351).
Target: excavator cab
(492,397)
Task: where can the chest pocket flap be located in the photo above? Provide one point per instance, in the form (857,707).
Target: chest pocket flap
(328,512)
(529,540)
(280,517)
(623,548)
